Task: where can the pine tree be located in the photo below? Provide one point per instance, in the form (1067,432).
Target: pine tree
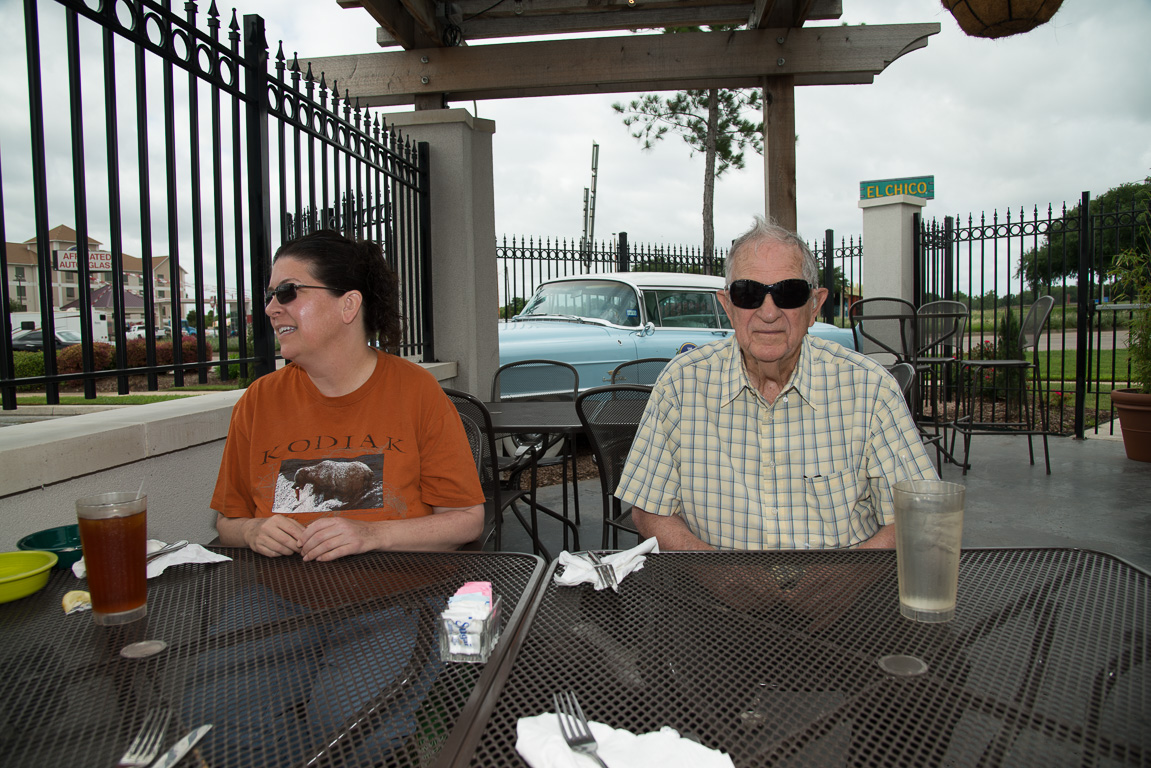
(710,121)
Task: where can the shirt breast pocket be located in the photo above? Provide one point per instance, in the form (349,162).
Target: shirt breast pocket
(833,496)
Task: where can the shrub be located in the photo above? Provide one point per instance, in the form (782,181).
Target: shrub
(71,359)
(1007,347)
(188,348)
(137,352)
(1132,271)
(1002,384)
(28,364)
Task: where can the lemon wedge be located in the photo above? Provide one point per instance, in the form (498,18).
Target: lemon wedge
(76,600)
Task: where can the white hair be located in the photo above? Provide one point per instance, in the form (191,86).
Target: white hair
(764,230)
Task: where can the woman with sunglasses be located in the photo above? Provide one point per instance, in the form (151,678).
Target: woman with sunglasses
(347,448)
(773,439)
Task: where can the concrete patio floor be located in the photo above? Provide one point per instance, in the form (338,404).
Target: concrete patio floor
(1095,498)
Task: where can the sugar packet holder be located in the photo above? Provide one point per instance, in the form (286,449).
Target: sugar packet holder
(470,625)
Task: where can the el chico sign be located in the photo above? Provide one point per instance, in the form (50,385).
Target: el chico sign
(917,186)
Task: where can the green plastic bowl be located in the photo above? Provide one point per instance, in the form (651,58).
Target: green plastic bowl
(23,573)
(64,541)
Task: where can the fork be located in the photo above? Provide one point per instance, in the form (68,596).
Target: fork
(606,572)
(147,742)
(576,732)
(166,549)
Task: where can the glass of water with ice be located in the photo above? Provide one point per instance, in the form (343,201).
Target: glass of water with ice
(928,531)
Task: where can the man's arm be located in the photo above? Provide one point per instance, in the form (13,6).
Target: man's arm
(671,532)
(884,538)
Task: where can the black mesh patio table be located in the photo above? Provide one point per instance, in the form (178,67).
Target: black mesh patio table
(294,663)
(1045,663)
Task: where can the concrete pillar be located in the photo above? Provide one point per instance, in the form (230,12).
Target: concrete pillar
(464,276)
(888,269)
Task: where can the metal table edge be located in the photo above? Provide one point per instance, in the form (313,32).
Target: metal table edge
(1039,548)
(461,745)
(1097,552)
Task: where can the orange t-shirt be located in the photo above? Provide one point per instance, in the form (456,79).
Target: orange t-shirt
(393,449)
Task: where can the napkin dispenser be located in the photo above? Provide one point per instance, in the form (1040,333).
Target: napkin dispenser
(470,626)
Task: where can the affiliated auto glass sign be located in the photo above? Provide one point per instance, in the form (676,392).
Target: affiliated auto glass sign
(916,186)
(98,261)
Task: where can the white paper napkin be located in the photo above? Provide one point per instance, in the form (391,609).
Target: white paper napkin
(540,743)
(579,570)
(193,553)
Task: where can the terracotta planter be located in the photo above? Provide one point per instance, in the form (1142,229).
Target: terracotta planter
(1135,417)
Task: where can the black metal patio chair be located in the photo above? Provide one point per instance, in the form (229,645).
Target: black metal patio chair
(643,371)
(537,380)
(1018,374)
(611,416)
(885,329)
(905,376)
(478,427)
(939,332)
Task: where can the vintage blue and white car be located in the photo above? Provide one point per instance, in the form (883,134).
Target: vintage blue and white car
(596,322)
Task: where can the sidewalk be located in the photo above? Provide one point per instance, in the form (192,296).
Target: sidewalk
(1095,498)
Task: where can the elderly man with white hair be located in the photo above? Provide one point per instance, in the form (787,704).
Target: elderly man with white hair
(772,438)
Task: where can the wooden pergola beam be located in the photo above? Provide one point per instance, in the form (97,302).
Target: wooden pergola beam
(779,187)
(814,55)
(481,20)
(410,23)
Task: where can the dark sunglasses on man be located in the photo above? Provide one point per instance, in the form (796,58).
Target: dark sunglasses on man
(285,293)
(787,294)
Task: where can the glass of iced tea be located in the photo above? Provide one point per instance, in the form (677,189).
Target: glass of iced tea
(114,537)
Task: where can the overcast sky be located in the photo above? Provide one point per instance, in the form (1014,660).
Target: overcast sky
(1022,121)
(1019,122)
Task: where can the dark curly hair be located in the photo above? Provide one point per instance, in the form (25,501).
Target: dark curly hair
(354,265)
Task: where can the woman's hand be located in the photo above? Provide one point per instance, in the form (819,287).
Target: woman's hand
(272,536)
(331,537)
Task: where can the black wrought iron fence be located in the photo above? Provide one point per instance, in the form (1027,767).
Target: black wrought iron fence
(525,263)
(196,142)
(841,275)
(999,264)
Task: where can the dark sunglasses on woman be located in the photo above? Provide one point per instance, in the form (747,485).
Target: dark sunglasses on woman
(285,293)
(787,294)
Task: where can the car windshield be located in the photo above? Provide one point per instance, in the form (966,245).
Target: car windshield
(68,336)
(588,299)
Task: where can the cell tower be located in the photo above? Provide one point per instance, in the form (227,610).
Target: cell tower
(589,207)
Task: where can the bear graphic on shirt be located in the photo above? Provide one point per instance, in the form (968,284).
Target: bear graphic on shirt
(334,486)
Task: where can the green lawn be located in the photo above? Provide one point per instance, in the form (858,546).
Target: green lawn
(985,321)
(194,387)
(1105,366)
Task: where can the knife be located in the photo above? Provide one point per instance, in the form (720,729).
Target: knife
(181,747)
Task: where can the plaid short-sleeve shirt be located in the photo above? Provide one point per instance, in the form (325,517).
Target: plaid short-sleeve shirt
(812,470)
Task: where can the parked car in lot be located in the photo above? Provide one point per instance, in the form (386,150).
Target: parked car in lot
(140,332)
(33,341)
(596,322)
